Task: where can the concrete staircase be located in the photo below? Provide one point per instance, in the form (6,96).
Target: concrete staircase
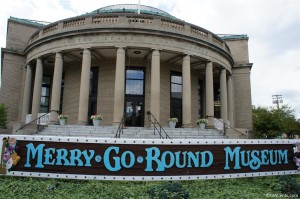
(129,132)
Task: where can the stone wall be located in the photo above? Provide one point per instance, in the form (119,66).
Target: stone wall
(106,87)
(241,83)
(18,35)
(71,91)
(239,50)
(11,92)
(242,94)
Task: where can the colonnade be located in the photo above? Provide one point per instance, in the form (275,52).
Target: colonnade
(226,91)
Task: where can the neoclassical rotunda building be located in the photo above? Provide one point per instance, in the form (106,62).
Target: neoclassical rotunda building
(124,60)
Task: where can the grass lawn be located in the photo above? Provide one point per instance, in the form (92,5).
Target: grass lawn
(24,187)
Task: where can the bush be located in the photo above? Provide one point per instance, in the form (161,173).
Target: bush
(169,190)
(3,116)
(287,185)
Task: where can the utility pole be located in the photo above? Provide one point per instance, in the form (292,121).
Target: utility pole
(139,7)
(277,99)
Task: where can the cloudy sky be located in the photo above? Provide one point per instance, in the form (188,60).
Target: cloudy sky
(273,27)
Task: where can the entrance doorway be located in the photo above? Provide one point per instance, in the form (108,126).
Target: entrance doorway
(176,97)
(94,73)
(135,97)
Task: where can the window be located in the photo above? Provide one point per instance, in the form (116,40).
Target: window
(94,76)
(134,98)
(62,92)
(94,81)
(176,86)
(176,97)
(45,94)
(134,82)
(200,98)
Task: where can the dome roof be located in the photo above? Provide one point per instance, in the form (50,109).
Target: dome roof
(132,8)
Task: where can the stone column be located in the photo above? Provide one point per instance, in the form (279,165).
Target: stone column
(119,98)
(186,92)
(84,87)
(56,88)
(36,100)
(155,85)
(209,96)
(26,94)
(223,96)
(230,100)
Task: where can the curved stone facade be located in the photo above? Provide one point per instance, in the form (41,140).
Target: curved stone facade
(127,63)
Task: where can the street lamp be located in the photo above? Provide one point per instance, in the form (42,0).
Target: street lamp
(277,99)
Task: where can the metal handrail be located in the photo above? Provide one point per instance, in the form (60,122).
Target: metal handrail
(160,129)
(120,128)
(225,124)
(38,118)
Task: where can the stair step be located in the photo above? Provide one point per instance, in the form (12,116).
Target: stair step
(130,132)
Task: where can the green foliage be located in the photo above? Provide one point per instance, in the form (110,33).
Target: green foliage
(36,188)
(168,190)
(287,185)
(3,116)
(272,123)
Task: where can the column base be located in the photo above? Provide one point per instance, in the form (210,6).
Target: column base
(83,123)
(53,123)
(187,125)
(116,124)
(209,126)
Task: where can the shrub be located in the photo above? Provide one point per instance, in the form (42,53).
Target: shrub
(287,185)
(3,116)
(168,190)
(174,119)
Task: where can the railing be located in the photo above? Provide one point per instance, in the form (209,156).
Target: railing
(141,20)
(105,19)
(43,120)
(218,124)
(120,128)
(50,28)
(199,31)
(172,24)
(36,120)
(121,20)
(73,22)
(159,129)
(226,125)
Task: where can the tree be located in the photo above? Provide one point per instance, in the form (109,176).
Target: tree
(272,123)
(3,116)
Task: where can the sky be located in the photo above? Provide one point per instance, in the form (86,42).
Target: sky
(273,28)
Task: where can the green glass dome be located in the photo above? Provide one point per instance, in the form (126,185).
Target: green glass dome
(133,8)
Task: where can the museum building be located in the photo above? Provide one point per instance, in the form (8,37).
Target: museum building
(124,60)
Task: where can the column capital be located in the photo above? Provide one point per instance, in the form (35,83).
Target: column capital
(87,49)
(186,57)
(124,47)
(59,53)
(28,66)
(223,70)
(186,54)
(158,49)
(39,59)
(155,52)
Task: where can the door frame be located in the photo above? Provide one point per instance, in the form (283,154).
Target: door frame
(133,96)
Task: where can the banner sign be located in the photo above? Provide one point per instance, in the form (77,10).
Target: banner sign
(138,159)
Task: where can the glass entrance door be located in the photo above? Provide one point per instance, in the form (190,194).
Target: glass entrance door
(176,97)
(134,98)
(134,112)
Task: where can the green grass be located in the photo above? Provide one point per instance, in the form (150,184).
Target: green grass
(19,187)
